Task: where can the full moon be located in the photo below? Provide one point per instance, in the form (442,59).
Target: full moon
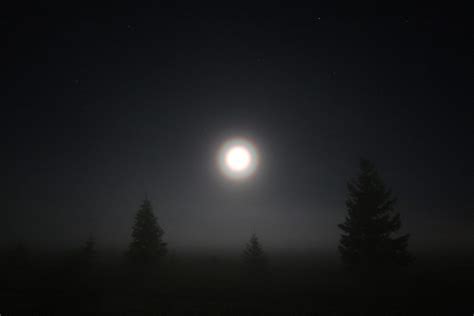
(238,158)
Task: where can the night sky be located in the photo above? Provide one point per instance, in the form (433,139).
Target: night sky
(104,106)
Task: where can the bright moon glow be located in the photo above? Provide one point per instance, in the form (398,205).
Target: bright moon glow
(238,158)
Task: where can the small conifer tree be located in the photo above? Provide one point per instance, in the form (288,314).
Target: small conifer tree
(254,257)
(147,245)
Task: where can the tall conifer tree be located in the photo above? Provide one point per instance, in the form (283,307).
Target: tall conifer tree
(368,240)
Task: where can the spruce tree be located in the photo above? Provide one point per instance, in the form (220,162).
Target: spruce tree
(146,245)
(254,257)
(368,240)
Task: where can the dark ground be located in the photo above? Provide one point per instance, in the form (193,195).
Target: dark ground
(201,284)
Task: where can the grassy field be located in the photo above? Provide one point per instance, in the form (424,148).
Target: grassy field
(59,284)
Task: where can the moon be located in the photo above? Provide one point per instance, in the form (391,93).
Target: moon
(238,158)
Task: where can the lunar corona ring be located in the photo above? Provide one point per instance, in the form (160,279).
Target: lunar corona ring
(238,158)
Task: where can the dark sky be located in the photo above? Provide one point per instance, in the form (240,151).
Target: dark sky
(104,105)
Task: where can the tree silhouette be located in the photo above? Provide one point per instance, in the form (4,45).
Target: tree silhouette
(367,241)
(254,257)
(83,267)
(88,253)
(146,245)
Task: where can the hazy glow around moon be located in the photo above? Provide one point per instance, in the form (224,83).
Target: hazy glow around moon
(238,158)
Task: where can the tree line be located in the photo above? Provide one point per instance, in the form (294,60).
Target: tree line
(368,241)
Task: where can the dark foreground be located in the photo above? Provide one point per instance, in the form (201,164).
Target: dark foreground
(217,285)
